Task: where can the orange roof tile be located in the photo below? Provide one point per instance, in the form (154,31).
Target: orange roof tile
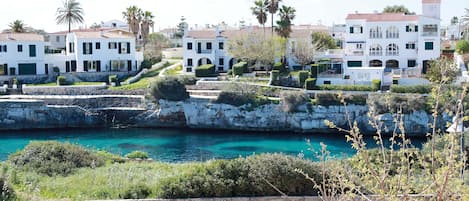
(21,37)
(382,17)
(99,34)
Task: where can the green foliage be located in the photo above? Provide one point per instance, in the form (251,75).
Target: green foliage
(56,69)
(207,70)
(376,85)
(280,67)
(442,70)
(54,158)
(139,191)
(247,177)
(6,191)
(417,89)
(302,76)
(240,68)
(113,79)
(274,77)
(462,47)
(291,100)
(137,155)
(239,99)
(397,9)
(327,99)
(391,102)
(168,88)
(146,63)
(310,83)
(15,81)
(346,87)
(61,80)
(187,79)
(323,40)
(314,70)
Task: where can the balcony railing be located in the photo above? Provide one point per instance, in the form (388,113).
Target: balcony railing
(429,33)
(355,53)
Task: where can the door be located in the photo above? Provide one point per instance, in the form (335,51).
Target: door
(426,65)
(67,66)
(199,48)
(27,69)
(74,66)
(98,66)
(46,69)
(129,65)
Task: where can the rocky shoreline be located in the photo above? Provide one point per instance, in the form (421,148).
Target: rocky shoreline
(95,112)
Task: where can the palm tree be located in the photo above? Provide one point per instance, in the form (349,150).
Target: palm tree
(70,13)
(287,14)
(147,22)
(17,26)
(260,11)
(273,8)
(133,15)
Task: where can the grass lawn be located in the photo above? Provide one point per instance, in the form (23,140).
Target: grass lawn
(174,71)
(144,82)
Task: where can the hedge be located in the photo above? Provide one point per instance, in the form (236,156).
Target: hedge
(314,70)
(346,87)
(113,78)
(274,77)
(207,70)
(327,99)
(310,83)
(417,89)
(240,68)
(376,85)
(280,67)
(61,80)
(169,88)
(302,76)
(239,99)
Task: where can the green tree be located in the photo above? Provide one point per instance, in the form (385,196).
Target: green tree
(462,47)
(397,9)
(17,26)
(454,20)
(252,47)
(259,10)
(323,40)
(181,27)
(442,70)
(304,52)
(70,13)
(133,15)
(286,14)
(273,8)
(147,22)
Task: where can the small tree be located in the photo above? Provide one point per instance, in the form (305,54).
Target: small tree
(462,47)
(442,70)
(168,88)
(253,47)
(304,51)
(291,100)
(323,40)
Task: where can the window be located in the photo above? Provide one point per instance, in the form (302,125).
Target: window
(376,32)
(20,48)
(209,46)
(359,46)
(71,47)
(98,45)
(189,46)
(412,28)
(32,50)
(392,50)
(356,29)
(411,63)
(428,45)
(410,46)
(376,50)
(189,70)
(220,46)
(354,63)
(112,45)
(430,30)
(221,61)
(3,48)
(87,48)
(392,32)
(57,39)
(189,62)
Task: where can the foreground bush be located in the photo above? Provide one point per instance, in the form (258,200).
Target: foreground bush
(168,88)
(54,158)
(417,89)
(207,70)
(291,100)
(327,99)
(239,99)
(6,191)
(139,191)
(61,80)
(280,67)
(137,155)
(384,103)
(252,176)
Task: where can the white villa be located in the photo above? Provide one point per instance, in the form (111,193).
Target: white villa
(22,54)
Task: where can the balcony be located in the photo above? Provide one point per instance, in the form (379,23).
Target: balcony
(355,53)
(430,34)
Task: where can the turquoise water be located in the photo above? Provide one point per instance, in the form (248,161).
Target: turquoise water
(171,145)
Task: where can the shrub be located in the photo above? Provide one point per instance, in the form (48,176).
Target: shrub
(376,85)
(168,88)
(274,77)
(392,102)
(137,155)
(417,89)
(462,47)
(236,98)
(280,67)
(15,81)
(291,100)
(146,63)
(244,177)
(139,191)
(188,79)
(113,79)
(310,83)
(207,70)
(7,192)
(61,80)
(327,99)
(302,76)
(314,70)
(54,158)
(240,68)
(346,87)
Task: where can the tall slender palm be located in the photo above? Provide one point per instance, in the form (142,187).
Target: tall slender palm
(286,14)
(147,22)
(17,26)
(273,8)
(133,15)
(70,13)
(260,11)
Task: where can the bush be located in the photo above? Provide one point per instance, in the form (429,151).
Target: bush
(462,47)
(137,155)
(280,67)
(302,76)
(7,192)
(240,68)
(113,79)
(376,85)
(15,81)
(310,83)
(314,70)
(235,98)
(146,63)
(54,158)
(417,89)
(327,99)
(274,77)
(188,79)
(61,80)
(168,88)
(392,102)
(207,70)
(244,177)
(291,100)
(140,191)
(346,87)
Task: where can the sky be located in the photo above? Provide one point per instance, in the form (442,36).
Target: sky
(40,14)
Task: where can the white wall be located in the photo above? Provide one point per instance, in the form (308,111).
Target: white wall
(13,58)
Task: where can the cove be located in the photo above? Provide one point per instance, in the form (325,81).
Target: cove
(185,145)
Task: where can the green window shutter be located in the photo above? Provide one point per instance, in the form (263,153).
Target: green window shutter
(85,66)
(361,29)
(416,28)
(351,29)
(32,50)
(128,48)
(407,28)
(428,45)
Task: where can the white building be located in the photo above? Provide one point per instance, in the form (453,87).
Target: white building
(394,40)
(22,54)
(115,24)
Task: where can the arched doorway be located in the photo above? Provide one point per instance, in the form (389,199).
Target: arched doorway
(204,61)
(392,64)
(376,63)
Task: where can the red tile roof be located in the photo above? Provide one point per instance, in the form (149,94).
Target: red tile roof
(431,1)
(21,37)
(297,32)
(81,30)
(382,17)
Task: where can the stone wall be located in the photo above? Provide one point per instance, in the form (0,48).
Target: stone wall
(28,79)
(97,102)
(62,90)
